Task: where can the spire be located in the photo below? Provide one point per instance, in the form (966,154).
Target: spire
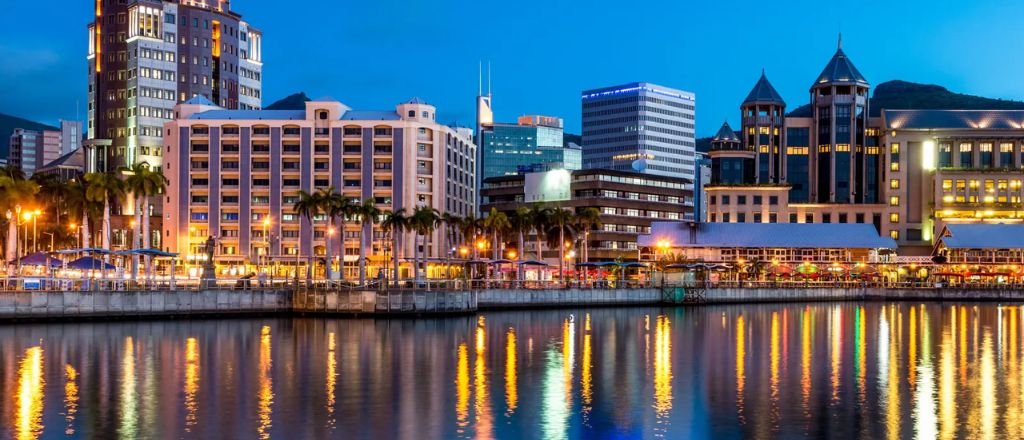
(840,70)
(840,45)
(726,134)
(763,91)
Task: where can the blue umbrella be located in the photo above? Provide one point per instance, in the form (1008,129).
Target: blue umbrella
(40,259)
(90,263)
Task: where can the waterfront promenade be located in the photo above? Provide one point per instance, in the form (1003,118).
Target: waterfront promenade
(194,302)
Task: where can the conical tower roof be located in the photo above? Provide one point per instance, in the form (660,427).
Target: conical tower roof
(763,91)
(840,70)
(725,134)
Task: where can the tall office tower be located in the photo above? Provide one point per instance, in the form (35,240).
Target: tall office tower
(732,161)
(146,56)
(641,127)
(31,149)
(839,100)
(764,114)
(535,143)
(484,119)
(70,136)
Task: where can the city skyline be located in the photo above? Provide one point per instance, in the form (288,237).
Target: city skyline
(550,79)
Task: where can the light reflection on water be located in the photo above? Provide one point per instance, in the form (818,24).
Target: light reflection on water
(871,370)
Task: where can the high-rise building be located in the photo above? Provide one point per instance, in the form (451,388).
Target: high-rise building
(236,175)
(533,144)
(146,56)
(639,127)
(70,136)
(31,149)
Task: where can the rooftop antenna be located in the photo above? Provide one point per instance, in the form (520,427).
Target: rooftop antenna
(480,78)
(488,78)
(840,40)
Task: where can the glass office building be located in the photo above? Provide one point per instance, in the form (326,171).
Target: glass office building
(533,144)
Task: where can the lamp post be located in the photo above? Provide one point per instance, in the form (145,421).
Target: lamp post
(663,246)
(266,239)
(15,253)
(74,228)
(329,263)
(35,237)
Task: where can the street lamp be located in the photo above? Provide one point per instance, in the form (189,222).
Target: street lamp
(74,228)
(330,263)
(35,237)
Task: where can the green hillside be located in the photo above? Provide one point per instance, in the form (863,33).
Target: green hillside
(898,94)
(7,125)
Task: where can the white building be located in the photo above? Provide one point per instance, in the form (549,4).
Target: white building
(640,127)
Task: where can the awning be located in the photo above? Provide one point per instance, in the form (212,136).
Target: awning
(38,259)
(90,263)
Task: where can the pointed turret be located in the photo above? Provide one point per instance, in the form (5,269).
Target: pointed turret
(764,92)
(725,134)
(840,70)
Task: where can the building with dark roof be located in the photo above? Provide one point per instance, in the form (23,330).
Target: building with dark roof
(987,244)
(907,172)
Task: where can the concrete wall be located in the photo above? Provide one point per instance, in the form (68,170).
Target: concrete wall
(503,298)
(71,304)
(384,302)
(738,295)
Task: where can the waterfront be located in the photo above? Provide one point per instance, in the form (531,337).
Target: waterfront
(867,370)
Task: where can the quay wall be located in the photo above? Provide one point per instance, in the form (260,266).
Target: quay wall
(15,305)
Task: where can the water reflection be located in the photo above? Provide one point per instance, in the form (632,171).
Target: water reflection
(29,407)
(848,370)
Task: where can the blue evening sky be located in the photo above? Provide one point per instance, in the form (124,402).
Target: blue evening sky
(374,54)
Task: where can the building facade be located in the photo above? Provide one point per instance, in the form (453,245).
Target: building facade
(70,136)
(32,149)
(534,143)
(640,127)
(146,56)
(628,203)
(235,175)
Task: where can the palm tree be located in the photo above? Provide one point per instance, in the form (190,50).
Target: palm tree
(143,183)
(308,206)
(395,223)
(54,191)
(336,206)
(469,227)
(369,215)
(561,219)
(586,220)
(14,191)
(540,218)
(104,188)
(496,223)
(80,206)
(424,220)
(451,224)
(520,224)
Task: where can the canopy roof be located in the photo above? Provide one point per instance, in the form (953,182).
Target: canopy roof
(764,92)
(726,134)
(767,235)
(39,259)
(840,70)
(90,263)
(983,236)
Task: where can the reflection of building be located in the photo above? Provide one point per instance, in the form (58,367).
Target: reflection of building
(639,127)
(146,56)
(31,149)
(231,170)
(628,203)
(764,243)
(535,143)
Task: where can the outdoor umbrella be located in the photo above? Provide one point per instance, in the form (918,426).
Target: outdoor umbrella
(90,263)
(40,259)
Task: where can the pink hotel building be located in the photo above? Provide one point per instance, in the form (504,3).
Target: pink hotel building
(236,174)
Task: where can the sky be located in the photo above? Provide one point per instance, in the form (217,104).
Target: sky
(373,54)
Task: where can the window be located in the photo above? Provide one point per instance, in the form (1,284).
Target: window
(792,217)
(895,166)
(808,218)
(894,218)
(773,200)
(741,217)
(725,200)
(741,200)
(757,200)
(894,201)
(894,184)
(894,234)
(826,218)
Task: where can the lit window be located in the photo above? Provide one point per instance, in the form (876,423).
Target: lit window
(894,234)
(895,166)
(894,201)
(894,218)
(894,184)
(947,185)
(894,148)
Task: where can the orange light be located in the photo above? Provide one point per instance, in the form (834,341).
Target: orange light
(216,38)
(72,226)
(511,254)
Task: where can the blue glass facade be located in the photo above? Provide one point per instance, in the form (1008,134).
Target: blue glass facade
(510,149)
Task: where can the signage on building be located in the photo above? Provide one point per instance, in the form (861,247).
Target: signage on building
(549,186)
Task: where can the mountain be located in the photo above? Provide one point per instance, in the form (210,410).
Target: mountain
(7,125)
(898,94)
(295,101)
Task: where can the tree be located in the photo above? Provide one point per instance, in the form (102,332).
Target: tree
(336,206)
(395,224)
(424,220)
(469,227)
(496,223)
(79,206)
(15,191)
(104,188)
(143,183)
(586,220)
(308,206)
(451,223)
(521,224)
(540,218)
(53,191)
(561,219)
(369,215)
